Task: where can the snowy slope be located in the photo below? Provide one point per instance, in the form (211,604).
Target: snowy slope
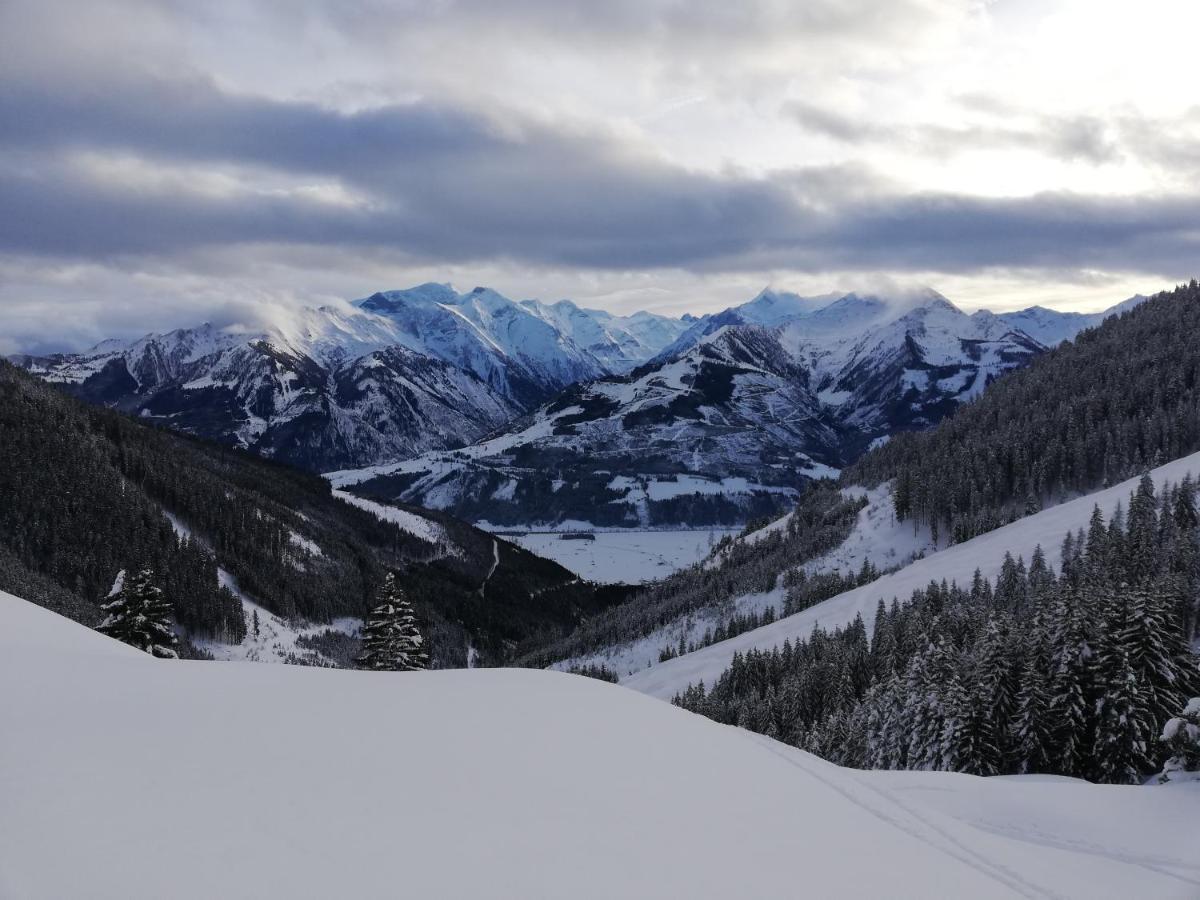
(129,777)
(956,563)
(620,343)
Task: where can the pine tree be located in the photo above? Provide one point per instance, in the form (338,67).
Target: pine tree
(391,641)
(1123,730)
(1070,684)
(1031,723)
(996,692)
(1155,648)
(139,615)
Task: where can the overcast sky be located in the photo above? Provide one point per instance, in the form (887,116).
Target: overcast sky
(163,162)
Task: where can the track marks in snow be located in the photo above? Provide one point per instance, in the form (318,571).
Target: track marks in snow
(908,820)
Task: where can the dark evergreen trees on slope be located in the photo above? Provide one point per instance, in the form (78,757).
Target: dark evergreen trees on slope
(140,615)
(390,639)
(1070,674)
(1121,398)
(84,490)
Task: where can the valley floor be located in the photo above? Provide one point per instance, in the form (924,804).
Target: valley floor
(124,776)
(623,557)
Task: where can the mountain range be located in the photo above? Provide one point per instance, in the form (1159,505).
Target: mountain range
(567,413)
(398,373)
(726,423)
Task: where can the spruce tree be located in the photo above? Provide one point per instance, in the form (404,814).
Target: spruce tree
(390,640)
(1123,730)
(1156,651)
(1031,723)
(139,615)
(1070,685)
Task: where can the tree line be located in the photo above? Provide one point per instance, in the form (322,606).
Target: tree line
(1090,413)
(1074,672)
(86,492)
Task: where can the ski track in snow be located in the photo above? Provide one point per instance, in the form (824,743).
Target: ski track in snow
(956,563)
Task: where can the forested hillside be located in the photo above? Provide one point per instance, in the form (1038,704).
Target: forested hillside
(820,522)
(1123,397)
(89,492)
(1068,673)
(1118,400)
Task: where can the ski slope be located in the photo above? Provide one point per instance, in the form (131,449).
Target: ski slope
(128,777)
(957,563)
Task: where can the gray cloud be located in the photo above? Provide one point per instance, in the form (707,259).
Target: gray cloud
(444,183)
(119,151)
(1071,138)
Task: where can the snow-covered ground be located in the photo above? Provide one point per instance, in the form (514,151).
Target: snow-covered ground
(633,656)
(876,537)
(628,557)
(956,563)
(426,529)
(129,777)
(276,638)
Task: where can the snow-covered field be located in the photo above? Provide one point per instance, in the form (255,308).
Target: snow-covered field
(127,777)
(629,557)
(956,563)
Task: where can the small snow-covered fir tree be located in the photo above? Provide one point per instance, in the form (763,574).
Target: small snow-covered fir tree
(390,639)
(139,615)
(1182,738)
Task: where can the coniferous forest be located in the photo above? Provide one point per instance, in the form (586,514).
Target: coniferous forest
(1069,672)
(87,495)
(1119,399)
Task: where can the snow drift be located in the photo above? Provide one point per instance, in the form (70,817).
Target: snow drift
(125,776)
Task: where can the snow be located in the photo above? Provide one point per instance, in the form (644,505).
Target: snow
(304,543)
(276,641)
(412,523)
(579,777)
(633,656)
(831,397)
(623,557)
(877,537)
(696,484)
(957,563)
(505,491)
(180,527)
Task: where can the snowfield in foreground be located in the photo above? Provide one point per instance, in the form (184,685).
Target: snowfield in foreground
(126,777)
(956,563)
